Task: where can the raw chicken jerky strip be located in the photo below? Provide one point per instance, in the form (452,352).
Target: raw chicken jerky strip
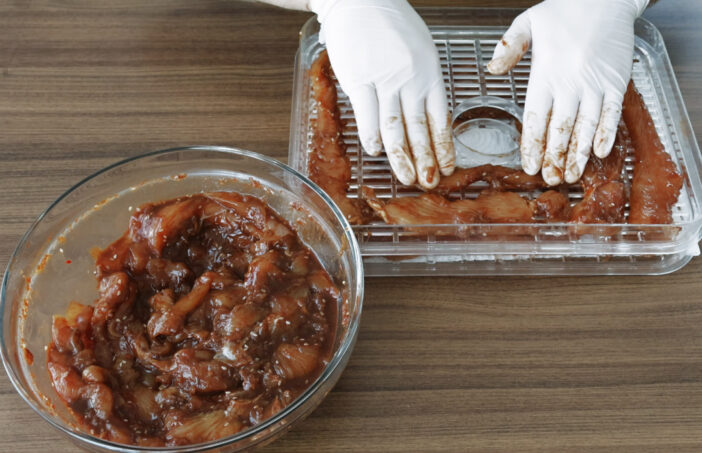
(328,164)
(498,177)
(604,199)
(489,207)
(657,182)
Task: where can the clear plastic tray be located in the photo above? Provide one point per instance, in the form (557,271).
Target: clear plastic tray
(466,38)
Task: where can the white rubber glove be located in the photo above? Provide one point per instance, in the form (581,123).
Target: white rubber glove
(581,64)
(386,62)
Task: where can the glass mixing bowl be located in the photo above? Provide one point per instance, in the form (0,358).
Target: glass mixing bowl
(52,266)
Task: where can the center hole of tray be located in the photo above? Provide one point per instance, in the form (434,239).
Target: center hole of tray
(487,130)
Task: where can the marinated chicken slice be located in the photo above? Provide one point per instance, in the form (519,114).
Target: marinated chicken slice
(551,206)
(500,207)
(167,318)
(160,223)
(426,209)
(657,182)
(599,171)
(433,209)
(328,164)
(498,177)
(251,215)
(603,203)
(489,207)
(604,199)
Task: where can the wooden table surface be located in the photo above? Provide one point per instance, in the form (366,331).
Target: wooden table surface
(441,364)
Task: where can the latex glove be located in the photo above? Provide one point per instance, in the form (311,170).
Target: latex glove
(386,62)
(581,64)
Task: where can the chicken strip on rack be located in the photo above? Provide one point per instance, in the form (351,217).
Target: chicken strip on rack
(329,166)
(497,176)
(604,199)
(657,182)
(489,207)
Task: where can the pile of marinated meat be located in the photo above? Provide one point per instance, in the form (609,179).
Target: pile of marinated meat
(212,316)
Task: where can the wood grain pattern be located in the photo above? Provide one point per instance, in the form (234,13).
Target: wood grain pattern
(442,364)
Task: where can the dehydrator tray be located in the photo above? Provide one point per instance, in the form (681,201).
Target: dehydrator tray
(465,39)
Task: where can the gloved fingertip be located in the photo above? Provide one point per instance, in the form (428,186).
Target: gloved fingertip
(529,168)
(552,168)
(552,175)
(573,172)
(604,141)
(498,66)
(445,154)
(508,52)
(406,178)
(442,142)
(532,157)
(495,66)
(447,168)
(571,177)
(578,157)
(430,178)
(372,146)
(402,164)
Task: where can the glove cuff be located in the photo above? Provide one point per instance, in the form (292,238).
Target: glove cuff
(322,8)
(641,6)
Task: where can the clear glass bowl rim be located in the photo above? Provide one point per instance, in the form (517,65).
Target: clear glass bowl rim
(334,363)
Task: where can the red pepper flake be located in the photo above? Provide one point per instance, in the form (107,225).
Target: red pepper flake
(68,261)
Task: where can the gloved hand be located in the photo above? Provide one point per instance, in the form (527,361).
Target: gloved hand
(386,62)
(581,64)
